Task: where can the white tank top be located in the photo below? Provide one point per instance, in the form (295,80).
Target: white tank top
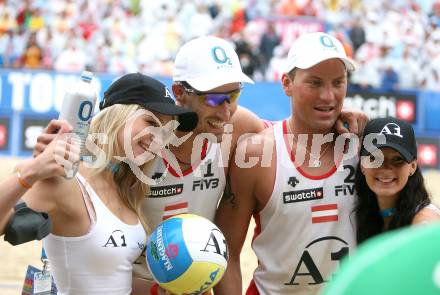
(99,262)
(305,228)
(197,191)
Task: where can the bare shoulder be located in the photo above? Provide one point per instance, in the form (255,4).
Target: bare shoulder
(246,121)
(426,215)
(256,145)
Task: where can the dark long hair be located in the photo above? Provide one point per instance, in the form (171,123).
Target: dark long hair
(412,198)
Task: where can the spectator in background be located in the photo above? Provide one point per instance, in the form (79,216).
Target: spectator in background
(239,20)
(71,59)
(366,76)
(268,42)
(248,60)
(33,55)
(36,20)
(288,8)
(200,23)
(357,35)
(23,15)
(7,23)
(275,68)
(430,76)
(390,79)
(367,51)
(434,16)
(6,48)
(408,70)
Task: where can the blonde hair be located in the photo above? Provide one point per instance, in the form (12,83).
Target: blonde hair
(131,190)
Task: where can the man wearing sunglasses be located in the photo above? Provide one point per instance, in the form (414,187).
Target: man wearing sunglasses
(208,79)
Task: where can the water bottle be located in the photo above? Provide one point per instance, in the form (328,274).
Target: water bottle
(77,109)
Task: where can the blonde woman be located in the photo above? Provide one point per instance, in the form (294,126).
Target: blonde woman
(98,228)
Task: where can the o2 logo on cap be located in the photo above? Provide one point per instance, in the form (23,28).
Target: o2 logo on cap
(219,55)
(326,41)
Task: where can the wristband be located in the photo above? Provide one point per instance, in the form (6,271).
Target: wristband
(23,182)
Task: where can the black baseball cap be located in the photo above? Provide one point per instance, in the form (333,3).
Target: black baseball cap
(136,88)
(399,135)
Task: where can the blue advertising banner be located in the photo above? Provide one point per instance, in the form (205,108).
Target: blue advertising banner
(30,99)
(4,134)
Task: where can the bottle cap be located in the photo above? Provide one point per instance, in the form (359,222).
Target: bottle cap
(86,76)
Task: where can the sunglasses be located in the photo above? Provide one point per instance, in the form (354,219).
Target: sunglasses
(214,99)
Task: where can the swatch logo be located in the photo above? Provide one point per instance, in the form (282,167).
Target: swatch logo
(303,195)
(166,191)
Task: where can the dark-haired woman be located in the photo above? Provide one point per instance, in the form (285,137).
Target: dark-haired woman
(391,192)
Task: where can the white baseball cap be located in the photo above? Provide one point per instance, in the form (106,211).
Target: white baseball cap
(313,48)
(208,62)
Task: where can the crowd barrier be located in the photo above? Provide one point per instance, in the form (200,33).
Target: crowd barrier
(30,99)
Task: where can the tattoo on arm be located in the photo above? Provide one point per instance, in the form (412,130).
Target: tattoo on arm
(228,195)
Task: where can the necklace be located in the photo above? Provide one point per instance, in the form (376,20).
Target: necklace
(316,162)
(387,212)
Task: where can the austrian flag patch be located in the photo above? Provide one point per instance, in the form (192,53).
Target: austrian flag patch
(324,213)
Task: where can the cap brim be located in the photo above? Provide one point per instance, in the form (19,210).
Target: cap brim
(350,65)
(213,81)
(187,118)
(398,148)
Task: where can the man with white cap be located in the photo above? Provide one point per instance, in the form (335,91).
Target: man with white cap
(208,80)
(302,206)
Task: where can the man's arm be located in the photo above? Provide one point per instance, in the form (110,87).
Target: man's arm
(233,216)
(350,121)
(54,128)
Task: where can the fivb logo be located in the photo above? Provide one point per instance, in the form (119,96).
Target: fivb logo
(219,56)
(327,42)
(391,129)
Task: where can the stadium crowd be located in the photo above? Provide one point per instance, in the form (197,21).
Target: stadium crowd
(396,43)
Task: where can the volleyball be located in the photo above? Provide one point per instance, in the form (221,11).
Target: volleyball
(187,254)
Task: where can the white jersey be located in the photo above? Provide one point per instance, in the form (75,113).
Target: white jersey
(197,191)
(305,228)
(99,262)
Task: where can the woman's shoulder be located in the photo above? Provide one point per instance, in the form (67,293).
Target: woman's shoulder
(428,214)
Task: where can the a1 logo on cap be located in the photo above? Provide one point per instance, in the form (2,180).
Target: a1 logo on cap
(219,55)
(391,129)
(168,93)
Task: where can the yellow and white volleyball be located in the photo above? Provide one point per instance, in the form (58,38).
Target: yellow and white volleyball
(187,254)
